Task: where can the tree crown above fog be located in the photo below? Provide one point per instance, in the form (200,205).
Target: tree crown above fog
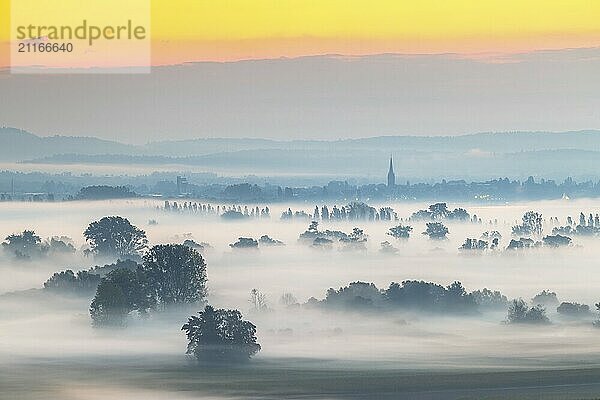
(115,237)
(176,274)
(220,335)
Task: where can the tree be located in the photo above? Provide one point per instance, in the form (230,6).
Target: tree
(244,243)
(357,210)
(490,235)
(102,192)
(288,299)
(520,313)
(428,296)
(265,240)
(474,244)
(356,296)
(357,240)
(119,264)
(220,335)
(232,215)
(258,300)
(115,236)
(400,231)
(24,245)
(573,309)
(118,294)
(439,210)
(522,243)
(387,248)
(436,230)
(459,214)
(556,240)
(545,298)
(175,274)
(68,282)
(60,245)
(531,225)
(487,298)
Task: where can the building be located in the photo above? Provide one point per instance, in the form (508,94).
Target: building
(391,178)
(182,186)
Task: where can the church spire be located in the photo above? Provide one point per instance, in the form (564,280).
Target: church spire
(391,177)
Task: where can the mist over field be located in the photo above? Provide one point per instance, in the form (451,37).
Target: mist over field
(42,328)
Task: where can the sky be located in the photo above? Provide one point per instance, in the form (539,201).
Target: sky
(202,30)
(313,69)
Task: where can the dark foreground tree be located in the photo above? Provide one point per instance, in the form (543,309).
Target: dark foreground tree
(120,293)
(176,274)
(220,335)
(115,237)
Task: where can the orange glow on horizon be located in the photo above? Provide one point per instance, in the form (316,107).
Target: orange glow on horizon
(202,30)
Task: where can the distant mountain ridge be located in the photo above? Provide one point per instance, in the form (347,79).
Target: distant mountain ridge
(17,144)
(20,145)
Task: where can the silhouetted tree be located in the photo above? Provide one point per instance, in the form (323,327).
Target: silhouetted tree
(220,335)
(128,264)
(244,243)
(487,298)
(265,240)
(556,241)
(67,282)
(520,313)
(175,274)
(436,230)
(115,237)
(387,248)
(522,243)
(102,192)
(118,294)
(258,301)
(474,244)
(531,225)
(545,298)
(60,245)
(400,231)
(357,296)
(288,299)
(232,215)
(24,245)
(357,240)
(573,310)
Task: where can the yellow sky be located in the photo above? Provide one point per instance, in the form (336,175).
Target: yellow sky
(193,30)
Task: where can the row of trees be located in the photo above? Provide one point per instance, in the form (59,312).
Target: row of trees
(421,296)
(354,211)
(190,207)
(552,241)
(411,295)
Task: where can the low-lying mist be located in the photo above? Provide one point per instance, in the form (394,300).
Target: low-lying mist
(36,323)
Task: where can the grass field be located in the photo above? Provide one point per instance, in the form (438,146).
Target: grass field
(276,379)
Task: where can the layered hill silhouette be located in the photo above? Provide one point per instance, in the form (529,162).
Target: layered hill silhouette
(480,155)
